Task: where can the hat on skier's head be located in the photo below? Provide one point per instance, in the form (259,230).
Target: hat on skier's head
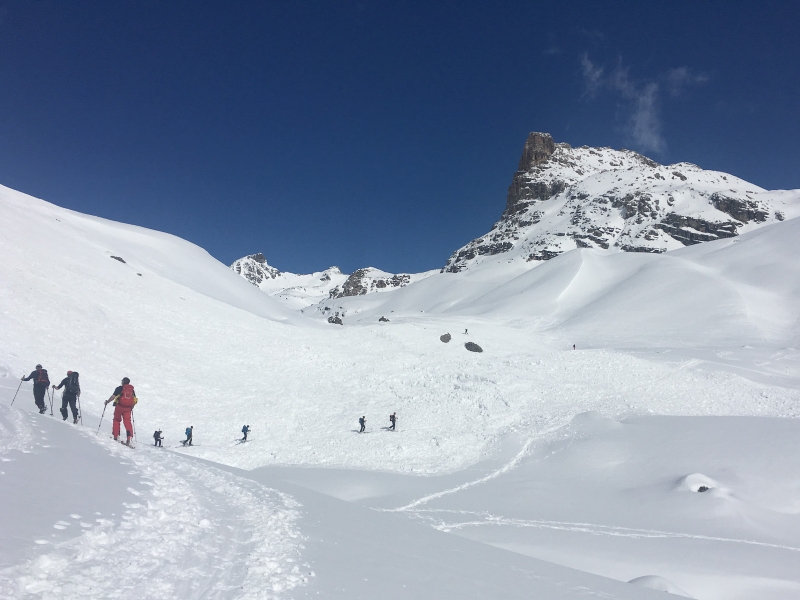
(38,366)
(69,372)
(125,381)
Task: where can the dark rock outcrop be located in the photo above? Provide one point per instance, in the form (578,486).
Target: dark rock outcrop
(383,320)
(365,280)
(335,320)
(539,147)
(445,338)
(119,258)
(473,347)
(741,210)
(689,231)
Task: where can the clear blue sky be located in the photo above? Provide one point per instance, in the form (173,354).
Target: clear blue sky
(374,133)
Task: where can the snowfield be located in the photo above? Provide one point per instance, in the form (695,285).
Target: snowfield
(527,470)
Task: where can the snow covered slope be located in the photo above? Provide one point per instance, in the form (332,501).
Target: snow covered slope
(563,198)
(744,290)
(699,334)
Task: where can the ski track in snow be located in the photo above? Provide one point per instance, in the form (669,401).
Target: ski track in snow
(591,528)
(504,469)
(195,532)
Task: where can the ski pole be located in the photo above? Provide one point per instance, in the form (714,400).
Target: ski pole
(15,393)
(50,397)
(80,412)
(133,424)
(105,406)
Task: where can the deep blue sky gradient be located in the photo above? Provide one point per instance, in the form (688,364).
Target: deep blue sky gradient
(373,133)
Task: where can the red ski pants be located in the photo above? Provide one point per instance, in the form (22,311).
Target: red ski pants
(122,413)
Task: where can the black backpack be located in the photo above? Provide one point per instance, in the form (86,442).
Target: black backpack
(73,386)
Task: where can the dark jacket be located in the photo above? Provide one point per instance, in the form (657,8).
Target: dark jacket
(45,380)
(64,383)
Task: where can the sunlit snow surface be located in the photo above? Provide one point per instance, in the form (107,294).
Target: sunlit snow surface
(688,361)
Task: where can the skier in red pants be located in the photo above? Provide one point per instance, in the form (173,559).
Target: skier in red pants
(124,399)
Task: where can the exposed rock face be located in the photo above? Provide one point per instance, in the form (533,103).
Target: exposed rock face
(383,320)
(445,338)
(335,320)
(473,347)
(563,198)
(364,281)
(255,269)
(524,188)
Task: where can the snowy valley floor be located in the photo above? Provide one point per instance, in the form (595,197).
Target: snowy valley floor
(570,511)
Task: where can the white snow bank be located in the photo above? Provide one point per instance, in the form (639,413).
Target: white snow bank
(654,582)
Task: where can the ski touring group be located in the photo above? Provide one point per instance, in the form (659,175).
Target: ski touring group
(123,399)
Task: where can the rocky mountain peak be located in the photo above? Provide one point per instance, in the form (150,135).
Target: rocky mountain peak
(538,149)
(255,269)
(561,198)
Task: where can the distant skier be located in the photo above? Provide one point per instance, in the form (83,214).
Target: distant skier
(363,422)
(573,346)
(40,384)
(124,399)
(393,420)
(72,390)
(188,440)
(245,431)
(157,437)
(465,331)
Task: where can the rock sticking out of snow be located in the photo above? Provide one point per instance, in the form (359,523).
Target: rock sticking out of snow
(697,482)
(383,320)
(445,338)
(473,347)
(335,320)
(654,582)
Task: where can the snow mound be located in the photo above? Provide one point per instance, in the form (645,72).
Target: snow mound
(697,482)
(592,422)
(654,582)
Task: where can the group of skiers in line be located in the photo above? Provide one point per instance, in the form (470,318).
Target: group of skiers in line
(362,421)
(158,436)
(124,399)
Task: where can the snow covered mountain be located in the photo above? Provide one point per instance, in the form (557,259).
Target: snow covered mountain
(563,198)
(301,291)
(293,290)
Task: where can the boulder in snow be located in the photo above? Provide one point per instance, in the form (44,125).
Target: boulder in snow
(335,320)
(445,338)
(473,347)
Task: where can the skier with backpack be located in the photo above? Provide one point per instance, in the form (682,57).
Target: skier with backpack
(363,422)
(124,399)
(157,437)
(392,420)
(40,384)
(72,390)
(245,431)
(188,440)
